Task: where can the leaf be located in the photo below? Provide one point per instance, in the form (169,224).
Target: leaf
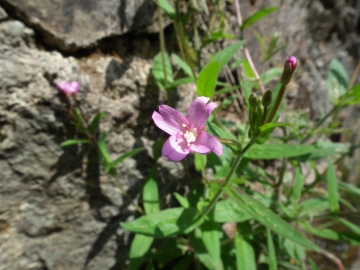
(257,16)
(211,239)
(350,238)
(268,218)
(299,184)
(103,149)
(158,71)
(337,80)
(271,251)
(324,149)
(313,206)
(169,249)
(139,247)
(313,265)
(74,141)
(157,149)
(178,82)
(228,211)
(200,162)
(271,74)
(206,81)
(248,70)
(150,193)
(184,263)
(271,126)
(332,187)
(183,65)
(224,56)
(168,9)
(182,200)
(350,225)
(166,223)
(274,151)
(245,255)
(349,188)
(94,123)
(127,155)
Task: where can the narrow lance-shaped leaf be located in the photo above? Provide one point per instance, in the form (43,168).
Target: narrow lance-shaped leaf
(211,239)
(332,187)
(184,66)
(200,162)
(206,81)
(151,193)
(257,16)
(299,184)
(75,141)
(159,71)
(245,255)
(337,80)
(139,246)
(127,155)
(94,123)
(168,9)
(275,151)
(224,56)
(265,216)
(271,251)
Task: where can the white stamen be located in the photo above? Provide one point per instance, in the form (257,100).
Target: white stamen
(189,137)
(184,125)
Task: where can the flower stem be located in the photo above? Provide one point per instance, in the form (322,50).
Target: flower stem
(276,104)
(234,166)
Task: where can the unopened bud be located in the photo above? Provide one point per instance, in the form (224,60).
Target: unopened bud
(289,68)
(253,100)
(267,97)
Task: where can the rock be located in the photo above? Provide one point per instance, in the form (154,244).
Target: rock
(69,25)
(3,14)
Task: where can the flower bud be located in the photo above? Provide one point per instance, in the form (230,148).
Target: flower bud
(289,68)
(253,100)
(266,99)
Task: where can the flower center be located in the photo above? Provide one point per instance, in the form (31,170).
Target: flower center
(190,135)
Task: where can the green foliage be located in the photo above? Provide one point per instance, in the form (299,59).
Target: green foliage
(163,74)
(257,16)
(75,141)
(139,247)
(337,81)
(151,193)
(207,79)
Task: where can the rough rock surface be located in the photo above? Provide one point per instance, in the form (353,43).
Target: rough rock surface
(58,209)
(74,24)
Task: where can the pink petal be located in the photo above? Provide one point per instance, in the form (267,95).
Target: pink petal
(175,148)
(169,120)
(69,88)
(199,111)
(206,143)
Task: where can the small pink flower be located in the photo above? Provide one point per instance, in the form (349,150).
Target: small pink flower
(187,133)
(292,63)
(69,88)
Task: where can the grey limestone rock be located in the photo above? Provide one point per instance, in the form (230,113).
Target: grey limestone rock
(74,24)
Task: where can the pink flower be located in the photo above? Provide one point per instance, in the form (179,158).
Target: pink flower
(69,88)
(187,133)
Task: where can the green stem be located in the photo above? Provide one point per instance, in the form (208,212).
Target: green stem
(276,104)
(234,166)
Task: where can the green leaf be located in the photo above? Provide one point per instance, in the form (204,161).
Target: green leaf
(224,56)
(299,184)
(271,251)
(183,65)
(151,193)
(332,187)
(94,123)
(158,71)
(127,155)
(313,265)
(257,16)
(206,81)
(245,255)
(274,151)
(248,70)
(350,238)
(211,239)
(166,223)
(271,126)
(271,220)
(157,148)
(228,211)
(103,149)
(349,188)
(168,249)
(168,9)
(314,206)
(337,80)
(139,247)
(324,149)
(182,200)
(178,82)
(350,225)
(200,162)
(271,74)
(74,141)
(201,252)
